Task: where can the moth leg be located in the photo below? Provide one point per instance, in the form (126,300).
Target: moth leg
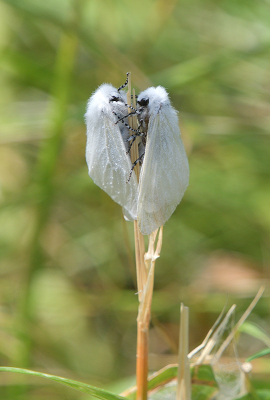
(134,165)
(132,138)
(131,129)
(122,118)
(132,108)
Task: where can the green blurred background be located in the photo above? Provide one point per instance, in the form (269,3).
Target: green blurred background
(68,301)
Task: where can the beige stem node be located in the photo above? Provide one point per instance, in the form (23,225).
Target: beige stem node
(150,260)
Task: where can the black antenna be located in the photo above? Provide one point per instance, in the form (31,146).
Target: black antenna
(124,85)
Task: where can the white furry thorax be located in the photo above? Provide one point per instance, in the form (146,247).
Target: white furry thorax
(157,97)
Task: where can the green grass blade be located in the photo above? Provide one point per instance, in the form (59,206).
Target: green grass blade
(204,385)
(80,386)
(260,353)
(163,376)
(255,331)
(159,378)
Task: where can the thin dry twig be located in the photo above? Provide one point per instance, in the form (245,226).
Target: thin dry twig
(209,334)
(213,335)
(237,325)
(213,340)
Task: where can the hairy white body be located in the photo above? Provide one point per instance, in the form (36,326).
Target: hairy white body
(108,163)
(165,172)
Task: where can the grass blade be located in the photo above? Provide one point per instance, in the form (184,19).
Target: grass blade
(80,386)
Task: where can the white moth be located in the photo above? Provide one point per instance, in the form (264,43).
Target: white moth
(165,172)
(108,163)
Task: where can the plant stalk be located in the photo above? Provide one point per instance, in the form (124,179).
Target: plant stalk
(145,267)
(142,326)
(184,380)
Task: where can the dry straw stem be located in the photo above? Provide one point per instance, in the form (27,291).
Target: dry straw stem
(145,267)
(212,339)
(138,237)
(150,260)
(144,313)
(184,380)
(142,332)
(237,325)
(211,342)
(208,343)
(209,334)
(213,335)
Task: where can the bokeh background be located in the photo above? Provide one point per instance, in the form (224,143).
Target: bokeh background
(68,301)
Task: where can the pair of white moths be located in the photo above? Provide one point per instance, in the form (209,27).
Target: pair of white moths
(165,172)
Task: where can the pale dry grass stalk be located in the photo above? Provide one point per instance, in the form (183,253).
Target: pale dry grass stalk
(211,343)
(144,313)
(145,267)
(215,333)
(183,379)
(237,325)
(209,334)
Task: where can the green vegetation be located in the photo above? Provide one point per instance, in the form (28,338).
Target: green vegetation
(67,293)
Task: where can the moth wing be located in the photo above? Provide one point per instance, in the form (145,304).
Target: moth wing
(165,172)
(108,164)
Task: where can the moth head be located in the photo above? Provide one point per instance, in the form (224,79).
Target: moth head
(153,97)
(143,102)
(115,97)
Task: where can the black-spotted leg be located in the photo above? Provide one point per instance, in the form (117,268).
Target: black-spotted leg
(134,165)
